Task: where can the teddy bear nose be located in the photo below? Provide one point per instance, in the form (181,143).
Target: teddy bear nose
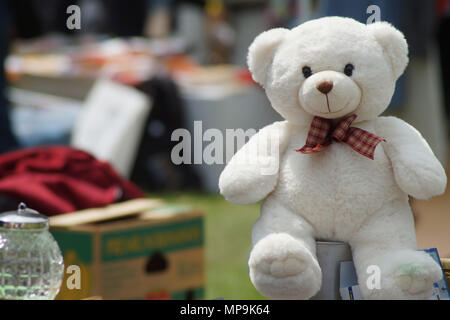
(325,86)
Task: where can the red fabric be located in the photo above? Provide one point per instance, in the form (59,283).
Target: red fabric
(321,134)
(60,179)
(443,8)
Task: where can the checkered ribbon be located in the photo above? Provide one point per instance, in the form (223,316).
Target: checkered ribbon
(321,134)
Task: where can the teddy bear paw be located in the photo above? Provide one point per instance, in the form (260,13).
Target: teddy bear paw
(407,274)
(414,278)
(281,267)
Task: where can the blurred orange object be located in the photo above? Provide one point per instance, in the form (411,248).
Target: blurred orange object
(180,63)
(245,76)
(158,295)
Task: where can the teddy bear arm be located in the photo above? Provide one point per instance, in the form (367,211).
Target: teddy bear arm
(252,173)
(416,169)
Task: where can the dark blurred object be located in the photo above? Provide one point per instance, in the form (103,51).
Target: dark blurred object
(283,13)
(156,263)
(8,203)
(7,139)
(25,19)
(443,10)
(200,3)
(129,18)
(154,169)
(59,179)
(34,18)
(125,18)
(220,35)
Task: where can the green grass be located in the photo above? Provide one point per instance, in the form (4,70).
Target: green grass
(227,241)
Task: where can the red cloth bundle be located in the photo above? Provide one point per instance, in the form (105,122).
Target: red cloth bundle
(60,179)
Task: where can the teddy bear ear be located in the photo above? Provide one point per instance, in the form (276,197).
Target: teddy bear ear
(393,43)
(260,53)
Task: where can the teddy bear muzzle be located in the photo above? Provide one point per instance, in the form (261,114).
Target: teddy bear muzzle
(329,94)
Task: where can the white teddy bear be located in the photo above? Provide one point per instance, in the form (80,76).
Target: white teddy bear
(340,171)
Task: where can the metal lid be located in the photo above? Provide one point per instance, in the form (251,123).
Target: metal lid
(23,218)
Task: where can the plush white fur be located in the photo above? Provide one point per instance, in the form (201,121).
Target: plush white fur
(336,194)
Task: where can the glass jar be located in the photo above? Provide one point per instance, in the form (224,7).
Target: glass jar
(31,264)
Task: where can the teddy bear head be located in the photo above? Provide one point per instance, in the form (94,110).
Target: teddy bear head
(329,67)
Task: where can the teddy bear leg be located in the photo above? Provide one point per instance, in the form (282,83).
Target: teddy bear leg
(282,263)
(386,260)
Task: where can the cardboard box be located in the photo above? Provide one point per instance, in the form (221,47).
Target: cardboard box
(139,249)
(446,267)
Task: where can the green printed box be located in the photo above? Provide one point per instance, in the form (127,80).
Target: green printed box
(139,249)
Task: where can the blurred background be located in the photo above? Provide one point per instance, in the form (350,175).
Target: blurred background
(117,78)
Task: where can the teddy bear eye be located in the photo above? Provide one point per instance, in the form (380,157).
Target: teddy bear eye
(307,72)
(348,70)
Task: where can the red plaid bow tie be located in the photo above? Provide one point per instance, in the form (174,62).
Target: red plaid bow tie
(321,134)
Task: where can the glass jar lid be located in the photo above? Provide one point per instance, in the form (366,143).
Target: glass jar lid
(23,218)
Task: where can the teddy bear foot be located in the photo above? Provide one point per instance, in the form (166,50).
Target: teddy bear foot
(281,267)
(416,279)
(412,277)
